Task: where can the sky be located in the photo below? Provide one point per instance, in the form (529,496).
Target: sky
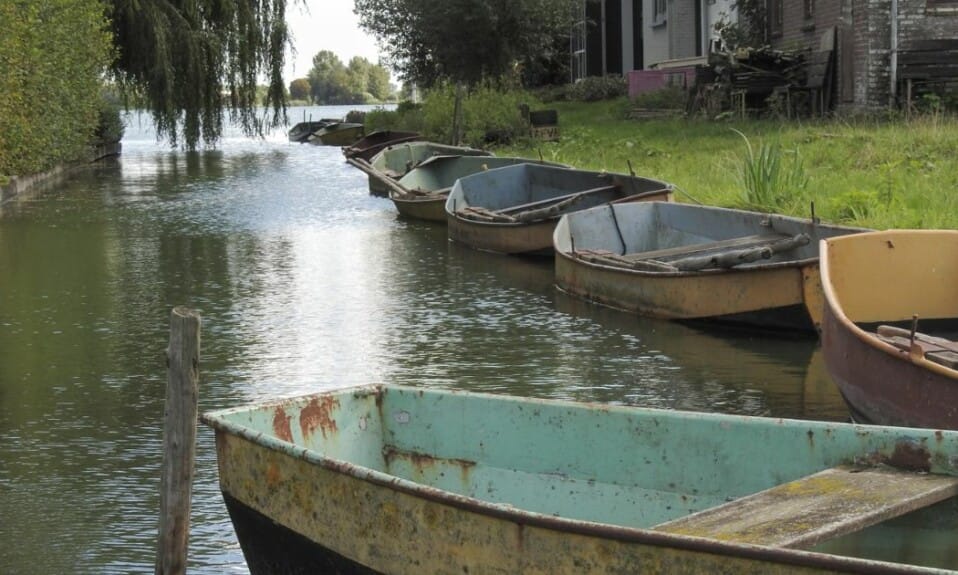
(325,25)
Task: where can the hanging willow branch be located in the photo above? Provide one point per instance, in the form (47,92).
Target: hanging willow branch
(193,61)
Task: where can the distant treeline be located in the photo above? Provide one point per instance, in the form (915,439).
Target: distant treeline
(330,82)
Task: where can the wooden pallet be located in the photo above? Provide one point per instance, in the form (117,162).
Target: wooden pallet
(807,511)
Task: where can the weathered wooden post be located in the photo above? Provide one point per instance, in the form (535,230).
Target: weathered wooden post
(179,441)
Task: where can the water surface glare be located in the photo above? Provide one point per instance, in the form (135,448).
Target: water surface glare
(304,282)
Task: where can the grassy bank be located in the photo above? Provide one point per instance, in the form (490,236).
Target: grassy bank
(872,173)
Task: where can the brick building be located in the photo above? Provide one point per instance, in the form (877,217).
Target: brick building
(869,36)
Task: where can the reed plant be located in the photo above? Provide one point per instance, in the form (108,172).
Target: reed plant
(771,177)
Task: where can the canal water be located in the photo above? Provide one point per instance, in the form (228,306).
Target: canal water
(304,282)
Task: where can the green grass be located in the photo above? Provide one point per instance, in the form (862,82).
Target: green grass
(865,172)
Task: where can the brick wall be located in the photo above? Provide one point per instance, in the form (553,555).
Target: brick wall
(863,40)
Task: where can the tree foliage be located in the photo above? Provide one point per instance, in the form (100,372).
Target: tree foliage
(193,60)
(463,40)
(299,89)
(53,54)
(333,83)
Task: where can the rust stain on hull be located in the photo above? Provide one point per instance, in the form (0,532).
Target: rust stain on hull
(318,415)
(281,425)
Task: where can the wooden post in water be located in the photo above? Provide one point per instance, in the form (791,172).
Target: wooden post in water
(179,441)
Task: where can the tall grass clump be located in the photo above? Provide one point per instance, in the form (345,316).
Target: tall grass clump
(770,179)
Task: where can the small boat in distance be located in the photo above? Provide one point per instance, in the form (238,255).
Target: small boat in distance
(336,134)
(392,162)
(374,142)
(693,262)
(421,193)
(392,479)
(303,130)
(890,297)
(513,210)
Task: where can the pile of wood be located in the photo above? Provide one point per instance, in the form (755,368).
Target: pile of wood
(758,69)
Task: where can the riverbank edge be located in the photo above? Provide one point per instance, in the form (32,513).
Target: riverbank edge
(18,185)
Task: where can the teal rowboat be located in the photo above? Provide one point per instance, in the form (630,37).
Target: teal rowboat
(421,193)
(403,480)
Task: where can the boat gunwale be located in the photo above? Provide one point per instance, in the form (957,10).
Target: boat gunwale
(692,273)
(789,263)
(871,340)
(645,536)
(623,200)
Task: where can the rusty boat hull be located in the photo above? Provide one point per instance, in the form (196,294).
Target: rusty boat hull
(631,257)
(402,480)
(887,278)
(338,134)
(511,189)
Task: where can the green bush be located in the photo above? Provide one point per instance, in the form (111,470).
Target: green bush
(50,103)
(771,180)
(487,109)
(596,88)
(110,127)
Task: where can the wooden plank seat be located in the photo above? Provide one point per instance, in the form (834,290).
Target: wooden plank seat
(718,254)
(822,506)
(937,349)
(537,210)
(677,252)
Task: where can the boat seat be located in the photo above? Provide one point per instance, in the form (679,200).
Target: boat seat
(936,349)
(706,247)
(807,511)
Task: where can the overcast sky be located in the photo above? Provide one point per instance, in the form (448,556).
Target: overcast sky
(325,25)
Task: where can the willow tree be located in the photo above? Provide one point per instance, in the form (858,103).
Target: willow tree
(191,62)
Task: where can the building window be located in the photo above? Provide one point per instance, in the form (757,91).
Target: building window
(658,12)
(776,8)
(809,8)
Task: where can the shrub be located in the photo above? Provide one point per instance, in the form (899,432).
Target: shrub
(596,88)
(50,103)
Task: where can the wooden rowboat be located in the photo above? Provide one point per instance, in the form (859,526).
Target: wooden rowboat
(401,480)
(691,262)
(887,295)
(514,210)
(392,163)
(373,143)
(422,192)
(338,134)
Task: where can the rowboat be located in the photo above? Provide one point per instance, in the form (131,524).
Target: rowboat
(337,134)
(373,143)
(401,480)
(692,262)
(888,297)
(422,192)
(514,210)
(392,163)
(301,131)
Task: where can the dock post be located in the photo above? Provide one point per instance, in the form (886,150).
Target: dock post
(179,441)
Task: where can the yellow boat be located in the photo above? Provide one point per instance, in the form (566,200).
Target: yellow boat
(889,297)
